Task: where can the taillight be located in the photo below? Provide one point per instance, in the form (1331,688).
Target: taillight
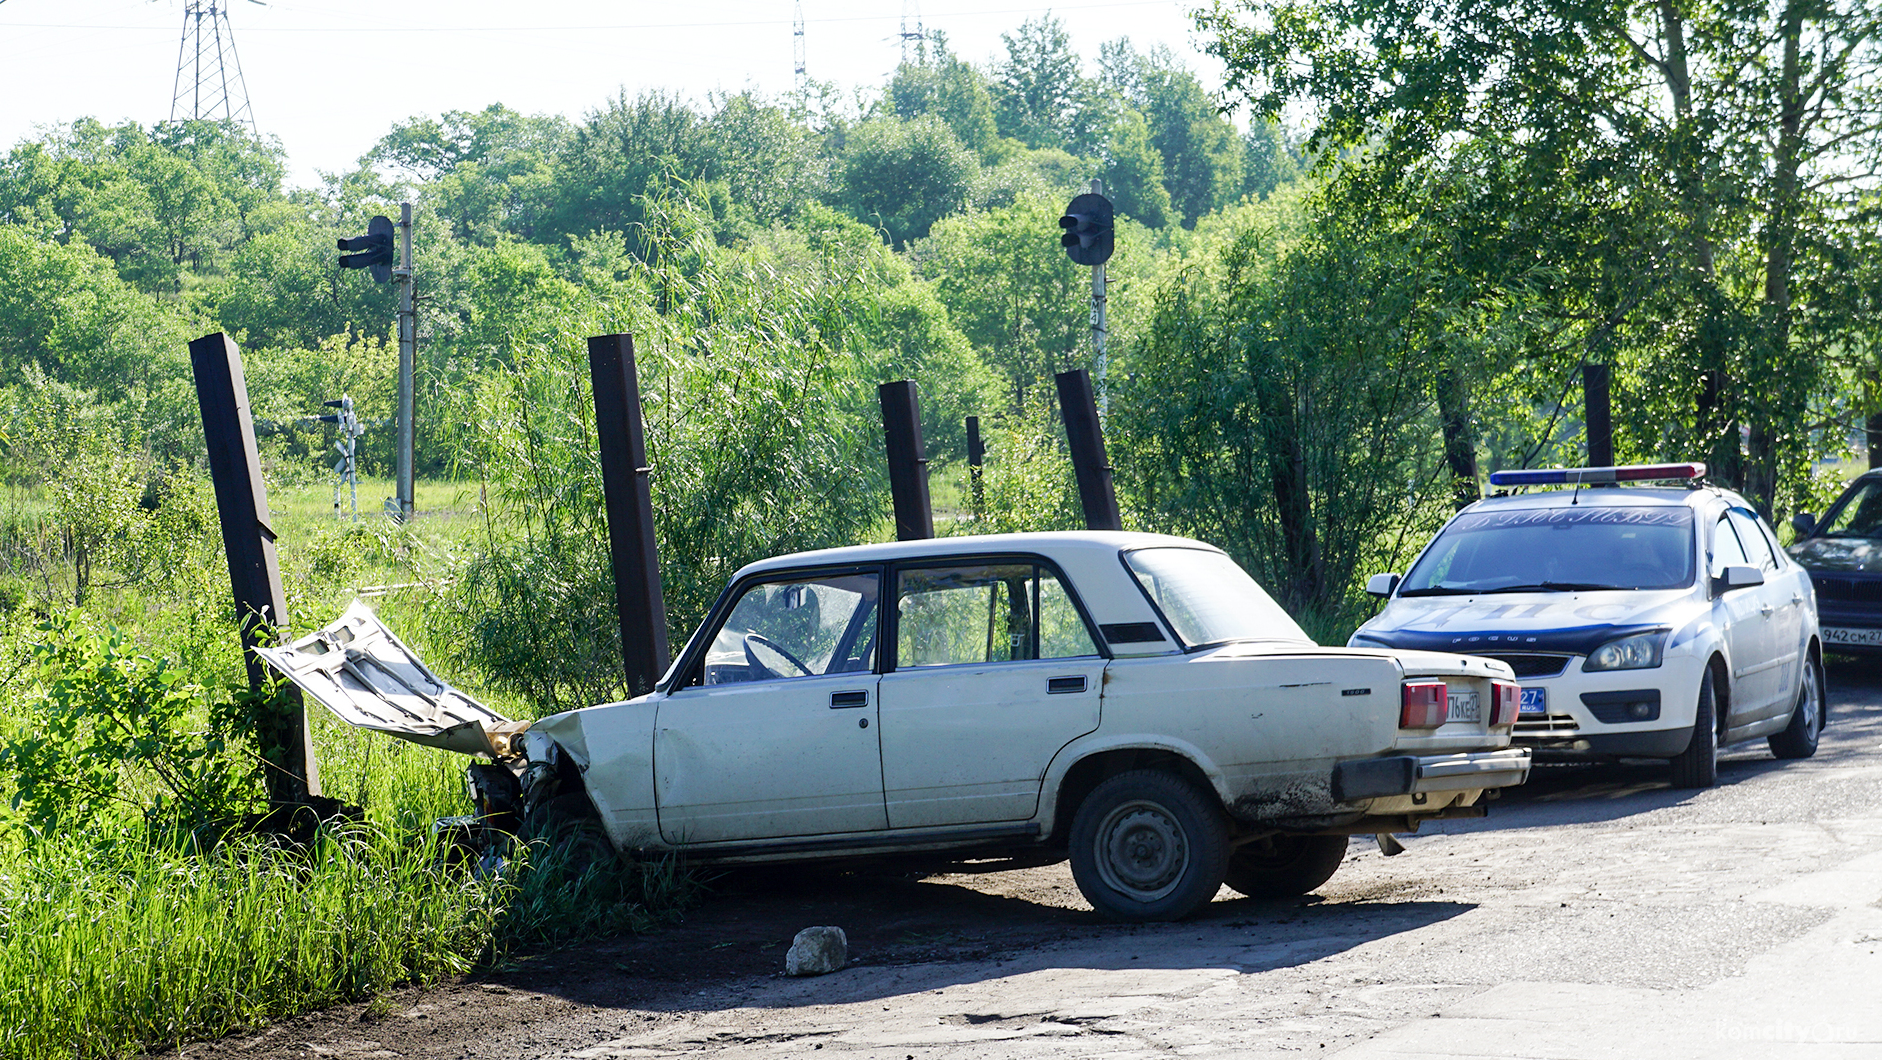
(1509,702)
(1424,706)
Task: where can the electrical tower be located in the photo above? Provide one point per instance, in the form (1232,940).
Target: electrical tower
(208,75)
(911,39)
(797,49)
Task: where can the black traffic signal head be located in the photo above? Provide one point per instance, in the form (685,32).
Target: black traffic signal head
(1087,224)
(375,250)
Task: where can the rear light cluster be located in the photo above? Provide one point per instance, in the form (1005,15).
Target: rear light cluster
(1509,702)
(1424,706)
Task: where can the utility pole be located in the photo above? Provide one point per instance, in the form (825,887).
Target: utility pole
(1099,333)
(407,338)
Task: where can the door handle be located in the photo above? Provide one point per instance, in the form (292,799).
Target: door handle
(857,698)
(1061,685)
(1765,610)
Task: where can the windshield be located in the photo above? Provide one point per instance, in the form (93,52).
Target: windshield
(1208,599)
(1557,550)
(1858,515)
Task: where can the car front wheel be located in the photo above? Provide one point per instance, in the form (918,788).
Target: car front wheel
(1283,866)
(1698,765)
(1147,845)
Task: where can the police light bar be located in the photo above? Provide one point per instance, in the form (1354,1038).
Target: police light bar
(1569,476)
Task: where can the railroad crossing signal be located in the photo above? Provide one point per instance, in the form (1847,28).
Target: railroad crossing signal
(1088,229)
(375,250)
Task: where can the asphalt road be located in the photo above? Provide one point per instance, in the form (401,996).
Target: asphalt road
(1596,913)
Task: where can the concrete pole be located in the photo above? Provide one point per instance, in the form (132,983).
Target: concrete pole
(407,339)
(1099,333)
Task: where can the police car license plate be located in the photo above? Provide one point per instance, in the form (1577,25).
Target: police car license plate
(1867,637)
(1535,701)
(1464,706)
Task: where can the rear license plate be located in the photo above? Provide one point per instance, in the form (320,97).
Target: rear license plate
(1867,637)
(1535,701)
(1464,706)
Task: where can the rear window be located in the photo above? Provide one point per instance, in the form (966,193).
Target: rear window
(1208,599)
(1557,550)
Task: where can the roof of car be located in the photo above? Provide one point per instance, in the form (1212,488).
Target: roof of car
(1047,544)
(1605,497)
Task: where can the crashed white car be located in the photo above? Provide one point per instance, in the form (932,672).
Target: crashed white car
(1134,702)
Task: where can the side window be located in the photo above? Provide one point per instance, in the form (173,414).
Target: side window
(985,612)
(796,627)
(1757,551)
(1726,551)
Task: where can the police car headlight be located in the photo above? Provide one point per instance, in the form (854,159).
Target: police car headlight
(1641,651)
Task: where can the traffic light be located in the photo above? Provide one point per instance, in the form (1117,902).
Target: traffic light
(375,250)
(1088,233)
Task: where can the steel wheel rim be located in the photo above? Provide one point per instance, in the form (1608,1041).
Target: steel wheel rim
(1811,699)
(1142,850)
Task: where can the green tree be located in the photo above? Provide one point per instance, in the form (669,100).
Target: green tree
(1041,98)
(941,84)
(1133,172)
(903,176)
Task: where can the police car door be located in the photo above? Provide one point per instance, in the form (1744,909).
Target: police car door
(1755,660)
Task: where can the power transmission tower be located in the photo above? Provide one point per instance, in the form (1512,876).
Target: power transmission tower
(208,75)
(911,39)
(797,49)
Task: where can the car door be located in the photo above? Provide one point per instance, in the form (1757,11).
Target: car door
(1748,633)
(1780,604)
(773,733)
(995,670)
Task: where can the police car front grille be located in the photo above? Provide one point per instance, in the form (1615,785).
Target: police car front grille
(1535,665)
(1854,590)
(1547,725)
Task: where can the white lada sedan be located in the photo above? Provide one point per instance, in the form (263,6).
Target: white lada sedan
(1643,621)
(1131,701)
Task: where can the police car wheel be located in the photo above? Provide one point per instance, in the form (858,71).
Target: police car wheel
(1799,738)
(1698,765)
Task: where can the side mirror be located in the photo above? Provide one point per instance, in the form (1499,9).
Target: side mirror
(1381,585)
(1737,578)
(1804,523)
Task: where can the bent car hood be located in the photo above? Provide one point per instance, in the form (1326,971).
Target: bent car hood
(358,669)
(1575,623)
(1841,555)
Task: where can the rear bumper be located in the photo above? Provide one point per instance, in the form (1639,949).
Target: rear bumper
(1376,778)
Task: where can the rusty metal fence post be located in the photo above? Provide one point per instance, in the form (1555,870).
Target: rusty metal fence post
(908,463)
(638,600)
(1085,437)
(248,540)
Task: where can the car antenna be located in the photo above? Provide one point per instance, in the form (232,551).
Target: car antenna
(1575,497)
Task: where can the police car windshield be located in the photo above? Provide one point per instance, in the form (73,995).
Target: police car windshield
(1860,514)
(1574,549)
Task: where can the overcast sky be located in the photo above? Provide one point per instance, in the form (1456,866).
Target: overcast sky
(329,78)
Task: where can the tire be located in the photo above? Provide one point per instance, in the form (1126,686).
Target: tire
(1283,866)
(1698,765)
(1799,738)
(1147,845)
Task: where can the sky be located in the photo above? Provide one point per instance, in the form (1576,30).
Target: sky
(330,78)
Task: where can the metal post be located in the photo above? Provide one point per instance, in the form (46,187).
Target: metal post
(1085,436)
(407,338)
(248,540)
(976,460)
(638,601)
(1600,425)
(1099,333)
(908,463)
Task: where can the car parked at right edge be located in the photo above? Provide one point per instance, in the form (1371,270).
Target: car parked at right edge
(1843,553)
(1646,614)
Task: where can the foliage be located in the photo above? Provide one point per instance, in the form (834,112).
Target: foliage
(906,175)
(113,728)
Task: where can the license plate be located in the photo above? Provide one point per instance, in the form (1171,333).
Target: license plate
(1535,701)
(1464,706)
(1867,637)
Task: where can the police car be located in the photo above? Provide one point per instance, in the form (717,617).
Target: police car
(1645,613)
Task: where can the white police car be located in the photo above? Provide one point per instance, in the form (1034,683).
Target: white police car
(1655,622)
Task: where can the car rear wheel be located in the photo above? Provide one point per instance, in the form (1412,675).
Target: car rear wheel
(1799,738)
(1148,845)
(1283,866)
(1698,765)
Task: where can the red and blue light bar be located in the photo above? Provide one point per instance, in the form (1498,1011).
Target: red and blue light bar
(1585,476)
